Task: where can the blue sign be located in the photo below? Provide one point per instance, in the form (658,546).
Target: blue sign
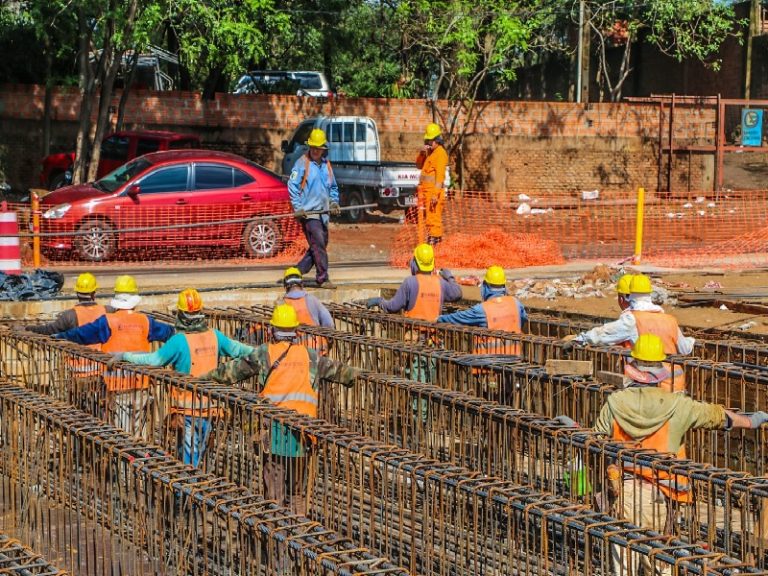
(751,127)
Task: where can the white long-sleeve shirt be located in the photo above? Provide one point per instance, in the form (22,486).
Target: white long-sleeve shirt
(625,328)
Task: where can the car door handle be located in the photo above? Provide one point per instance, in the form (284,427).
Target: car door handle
(246,197)
(181,202)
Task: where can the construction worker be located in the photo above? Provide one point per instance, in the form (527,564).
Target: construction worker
(422,294)
(123,330)
(310,310)
(497,311)
(195,349)
(642,317)
(86,310)
(433,161)
(312,188)
(290,373)
(656,419)
(622,291)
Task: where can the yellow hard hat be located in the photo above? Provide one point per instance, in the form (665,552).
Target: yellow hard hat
(640,284)
(623,285)
(317,139)
(495,276)
(649,347)
(292,276)
(284,316)
(425,257)
(432,131)
(86,283)
(189,301)
(126,284)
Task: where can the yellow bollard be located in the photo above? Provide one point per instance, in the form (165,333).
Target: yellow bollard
(35,201)
(639,226)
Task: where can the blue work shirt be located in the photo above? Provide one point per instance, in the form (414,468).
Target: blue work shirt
(99,332)
(317,309)
(475,316)
(319,191)
(175,353)
(406,295)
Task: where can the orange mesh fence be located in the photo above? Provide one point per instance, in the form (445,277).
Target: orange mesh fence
(692,229)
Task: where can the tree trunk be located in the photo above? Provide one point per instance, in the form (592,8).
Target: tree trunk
(212,82)
(126,91)
(86,94)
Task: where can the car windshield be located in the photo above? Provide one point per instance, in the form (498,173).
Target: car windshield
(117,178)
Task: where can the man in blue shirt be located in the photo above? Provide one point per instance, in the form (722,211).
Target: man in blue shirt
(312,188)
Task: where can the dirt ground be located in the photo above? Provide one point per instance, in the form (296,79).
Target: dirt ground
(733,285)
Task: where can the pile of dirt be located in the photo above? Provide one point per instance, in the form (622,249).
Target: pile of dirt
(497,247)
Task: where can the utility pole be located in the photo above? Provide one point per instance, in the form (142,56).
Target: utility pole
(584,51)
(754,20)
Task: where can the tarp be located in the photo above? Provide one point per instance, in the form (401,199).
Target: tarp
(39,285)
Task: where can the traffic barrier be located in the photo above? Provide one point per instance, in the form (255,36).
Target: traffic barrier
(10,249)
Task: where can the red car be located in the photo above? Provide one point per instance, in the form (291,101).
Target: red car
(141,204)
(116,150)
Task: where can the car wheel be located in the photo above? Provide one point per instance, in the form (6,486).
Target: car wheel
(353,215)
(58,181)
(261,239)
(98,241)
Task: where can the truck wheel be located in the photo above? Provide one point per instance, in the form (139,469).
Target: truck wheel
(261,239)
(98,241)
(355,198)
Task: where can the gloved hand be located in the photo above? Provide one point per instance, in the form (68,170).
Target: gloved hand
(300,214)
(373,302)
(757,419)
(115,358)
(566,421)
(446,274)
(335,209)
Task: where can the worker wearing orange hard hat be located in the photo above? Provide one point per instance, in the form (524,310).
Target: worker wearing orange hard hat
(433,162)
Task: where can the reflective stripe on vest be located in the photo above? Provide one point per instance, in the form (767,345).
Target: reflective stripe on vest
(203,357)
(129,333)
(289,385)
(85,314)
(501,313)
(666,328)
(673,486)
(428,300)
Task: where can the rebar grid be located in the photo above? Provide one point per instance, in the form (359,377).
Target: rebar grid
(433,517)
(116,503)
(20,560)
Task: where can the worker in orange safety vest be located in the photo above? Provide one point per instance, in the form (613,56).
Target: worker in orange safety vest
(309,310)
(652,418)
(124,330)
(421,296)
(195,349)
(433,161)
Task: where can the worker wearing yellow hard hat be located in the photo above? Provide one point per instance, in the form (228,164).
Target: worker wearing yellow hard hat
(309,309)
(421,296)
(432,160)
(314,197)
(290,373)
(498,310)
(643,317)
(622,290)
(195,349)
(656,421)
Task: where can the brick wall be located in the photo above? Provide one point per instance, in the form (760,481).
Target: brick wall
(539,147)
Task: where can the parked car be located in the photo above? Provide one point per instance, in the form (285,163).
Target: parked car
(301,83)
(354,152)
(116,150)
(135,207)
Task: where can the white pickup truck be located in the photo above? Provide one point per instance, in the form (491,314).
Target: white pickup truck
(354,152)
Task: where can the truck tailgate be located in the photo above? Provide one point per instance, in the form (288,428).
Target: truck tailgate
(377,174)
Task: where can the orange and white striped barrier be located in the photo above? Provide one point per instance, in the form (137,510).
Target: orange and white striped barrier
(10,250)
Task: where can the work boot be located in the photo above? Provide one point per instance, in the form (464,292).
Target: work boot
(328,285)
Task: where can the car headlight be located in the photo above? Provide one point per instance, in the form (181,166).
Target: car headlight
(57,211)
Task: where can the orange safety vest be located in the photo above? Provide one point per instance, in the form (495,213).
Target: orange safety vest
(319,343)
(429,299)
(203,357)
(289,385)
(501,313)
(82,367)
(129,333)
(673,486)
(666,328)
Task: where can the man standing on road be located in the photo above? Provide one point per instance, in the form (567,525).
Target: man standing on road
(432,160)
(312,188)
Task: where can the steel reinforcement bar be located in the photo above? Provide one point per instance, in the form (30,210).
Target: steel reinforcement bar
(433,517)
(116,504)
(513,382)
(20,560)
